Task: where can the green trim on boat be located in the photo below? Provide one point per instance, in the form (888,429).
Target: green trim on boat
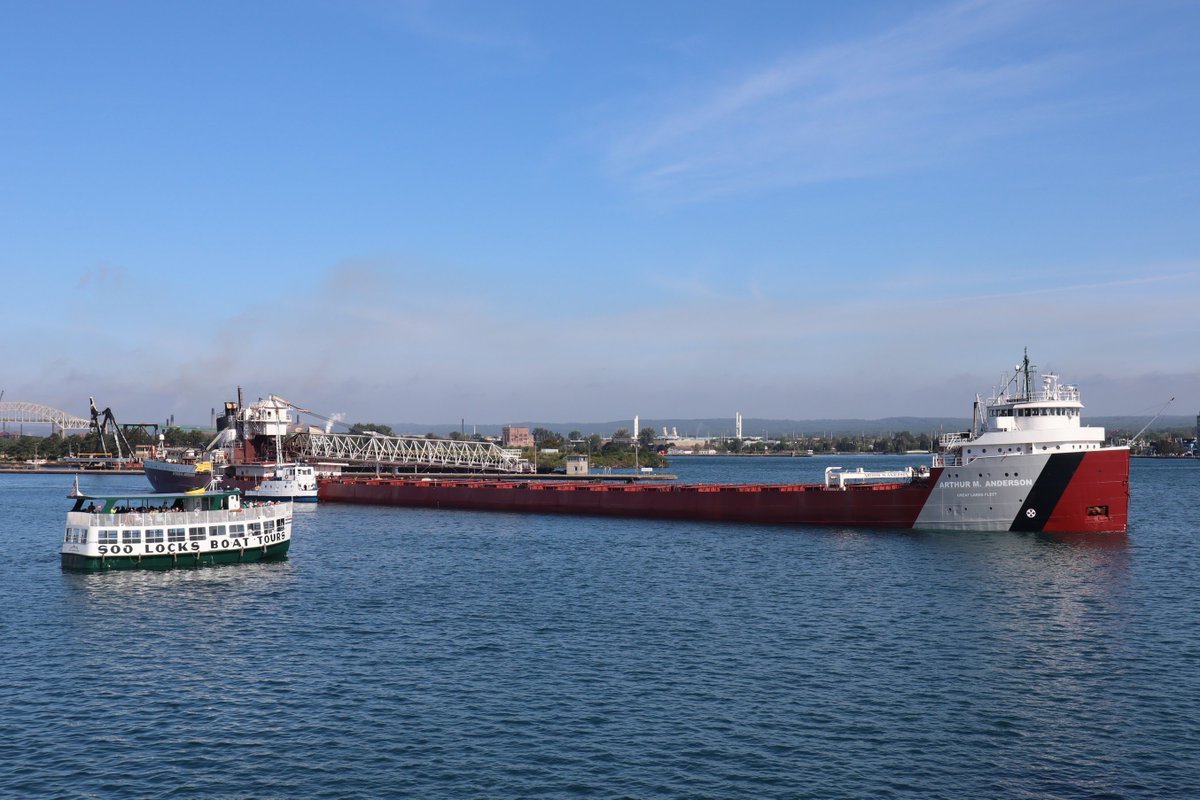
(80,563)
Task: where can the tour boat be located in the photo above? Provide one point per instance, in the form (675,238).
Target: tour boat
(160,531)
(1026,465)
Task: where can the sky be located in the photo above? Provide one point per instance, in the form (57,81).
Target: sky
(547,211)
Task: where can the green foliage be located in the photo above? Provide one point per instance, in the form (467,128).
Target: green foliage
(371,427)
(177,437)
(544,437)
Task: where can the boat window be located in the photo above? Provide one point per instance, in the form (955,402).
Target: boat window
(107,537)
(131,537)
(279,523)
(175,534)
(83,535)
(216,531)
(196,534)
(154,535)
(237,530)
(70,537)
(255,528)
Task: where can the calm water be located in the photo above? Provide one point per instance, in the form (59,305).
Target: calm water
(412,653)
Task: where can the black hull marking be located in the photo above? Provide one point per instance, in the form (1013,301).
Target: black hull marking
(1046,491)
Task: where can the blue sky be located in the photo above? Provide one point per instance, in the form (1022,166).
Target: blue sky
(563,211)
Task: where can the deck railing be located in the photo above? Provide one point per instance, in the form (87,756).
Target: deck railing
(131,519)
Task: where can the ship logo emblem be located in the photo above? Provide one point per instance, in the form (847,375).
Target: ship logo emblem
(1031,513)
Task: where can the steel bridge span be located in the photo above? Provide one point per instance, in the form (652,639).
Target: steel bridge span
(26,413)
(406,452)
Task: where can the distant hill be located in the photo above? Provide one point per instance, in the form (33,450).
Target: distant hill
(807,427)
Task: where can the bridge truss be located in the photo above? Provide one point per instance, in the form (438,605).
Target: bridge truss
(26,413)
(406,452)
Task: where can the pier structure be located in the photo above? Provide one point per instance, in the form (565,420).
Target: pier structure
(26,413)
(406,452)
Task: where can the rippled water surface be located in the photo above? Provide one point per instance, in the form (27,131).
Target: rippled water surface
(426,653)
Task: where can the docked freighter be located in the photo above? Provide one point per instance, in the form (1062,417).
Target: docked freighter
(237,456)
(1027,464)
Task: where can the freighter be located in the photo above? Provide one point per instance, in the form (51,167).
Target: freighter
(245,452)
(1027,464)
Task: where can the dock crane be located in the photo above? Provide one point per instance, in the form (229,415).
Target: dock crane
(101,422)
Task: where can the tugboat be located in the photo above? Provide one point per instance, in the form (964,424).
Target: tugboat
(1026,465)
(295,482)
(162,531)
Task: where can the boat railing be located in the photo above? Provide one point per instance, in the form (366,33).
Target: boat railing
(836,477)
(954,439)
(1060,393)
(947,460)
(133,519)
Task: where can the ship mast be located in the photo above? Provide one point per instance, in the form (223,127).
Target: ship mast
(1026,370)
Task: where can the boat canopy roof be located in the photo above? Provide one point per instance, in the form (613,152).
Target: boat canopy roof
(157,496)
(195,500)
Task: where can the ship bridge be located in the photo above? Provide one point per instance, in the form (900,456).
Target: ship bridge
(408,452)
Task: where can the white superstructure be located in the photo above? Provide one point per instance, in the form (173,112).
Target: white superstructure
(1018,420)
(296,482)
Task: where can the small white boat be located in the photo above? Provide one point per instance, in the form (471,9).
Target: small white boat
(160,531)
(294,482)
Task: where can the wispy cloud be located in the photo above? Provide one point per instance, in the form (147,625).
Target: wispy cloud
(902,98)
(103,274)
(433,21)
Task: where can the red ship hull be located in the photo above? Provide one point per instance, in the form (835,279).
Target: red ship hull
(1069,495)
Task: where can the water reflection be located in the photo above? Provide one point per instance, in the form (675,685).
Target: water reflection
(1103,541)
(121,586)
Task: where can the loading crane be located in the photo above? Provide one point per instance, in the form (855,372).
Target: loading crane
(101,422)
